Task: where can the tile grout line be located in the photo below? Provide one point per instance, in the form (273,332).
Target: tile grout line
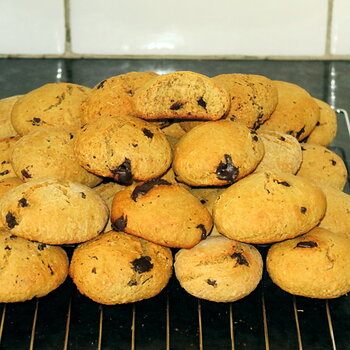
(329,27)
(68,41)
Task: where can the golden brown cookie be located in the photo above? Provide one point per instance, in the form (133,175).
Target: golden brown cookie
(29,269)
(219,269)
(282,152)
(53,211)
(322,166)
(114,96)
(6,146)
(182,95)
(337,217)
(123,148)
(217,153)
(174,130)
(49,153)
(326,128)
(162,213)
(56,104)
(253,97)
(269,207)
(6,128)
(116,268)
(296,112)
(314,265)
(8,183)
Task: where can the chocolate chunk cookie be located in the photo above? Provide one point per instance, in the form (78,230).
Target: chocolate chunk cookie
(123,148)
(116,268)
(314,265)
(217,153)
(182,95)
(29,269)
(268,207)
(219,269)
(53,211)
(6,105)
(162,213)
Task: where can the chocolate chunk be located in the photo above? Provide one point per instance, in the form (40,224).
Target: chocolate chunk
(255,138)
(120,224)
(134,145)
(233,117)
(52,272)
(227,171)
(93,270)
(203,201)
(123,172)
(300,132)
(318,123)
(13,236)
(333,162)
(306,244)
(241,260)
(211,282)
(176,106)
(283,183)
(83,195)
(7,248)
(41,246)
(130,92)
(11,220)
(258,122)
(204,231)
(147,133)
(71,135)
(100,85)
(142,264)
(141,190)
(303,149)
(36,121)
(4,172)
(202,103)
(303,210)
(132,283)
(282,138)
(23,203)
(25,174)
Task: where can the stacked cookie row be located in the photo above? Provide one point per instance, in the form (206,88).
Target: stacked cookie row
(161,163)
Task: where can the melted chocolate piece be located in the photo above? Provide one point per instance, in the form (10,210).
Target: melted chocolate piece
(4,172)
(25,173)
(333,162)
(123,172)
(35,121)
(303,210)
(41,246)
(211,282)
(100,85)
(204,231)
(303,149)
(93,270)
(282,138)
(120,224)
(318,123)
(148,133)
(7,248)
(176,106)
(83,195)
(141,190)
(23,203)
(203,201)
(11,220)
(142,264)
(306,244)
(283,183)
(241,260)
(202,103)
(227,171)
(300,132)
(132,283)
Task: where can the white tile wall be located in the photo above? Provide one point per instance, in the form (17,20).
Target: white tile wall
(182,27)
(32,27)
(340,44)
(199,27)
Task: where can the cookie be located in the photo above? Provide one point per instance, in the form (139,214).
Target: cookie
(337,216)
(253,97)
(296,112)
(6,128)
(282,152)
(49,153)
(182,95)
(56,104)
(123,148)
(326,128)
(188,125)
(116,268)
(6,146)
(174,130)
(114,96)
(53,212)
(8,183)
(29,269)
(269,207)
(217,153)
(219,269)
(314,265)
(322,166)
(162,213)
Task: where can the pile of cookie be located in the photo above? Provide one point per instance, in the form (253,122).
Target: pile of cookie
(145,174)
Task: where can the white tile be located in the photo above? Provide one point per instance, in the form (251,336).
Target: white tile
(32,27)
(340,42)
(199,27)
